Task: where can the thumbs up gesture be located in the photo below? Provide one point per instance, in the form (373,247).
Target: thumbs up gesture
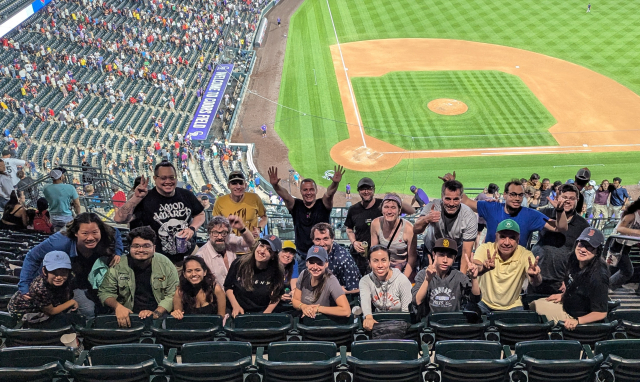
(433,216)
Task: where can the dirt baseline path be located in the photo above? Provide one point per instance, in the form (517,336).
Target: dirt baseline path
(594,112)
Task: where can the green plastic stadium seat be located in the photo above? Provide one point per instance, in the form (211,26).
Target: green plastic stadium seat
(453,326)
(34,337)
(461,361)
(34,363)
(192,328)
(622,360)
(6,292)
(122,363)
(339,330)
(298,361)
(515,326)
(562,361)
(628,320)
(259,329)
(104,330)
(589,334)
(386,360)
(7,320)
(210,361)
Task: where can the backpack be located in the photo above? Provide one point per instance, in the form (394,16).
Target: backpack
(42,223)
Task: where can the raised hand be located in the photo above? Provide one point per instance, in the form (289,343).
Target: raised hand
(534,269)
(338,171)
(431,270)
(236,222)
(472,268)
(554,203)
(433,216)
(448,176)
(143,188)
(490,262)
(273,176)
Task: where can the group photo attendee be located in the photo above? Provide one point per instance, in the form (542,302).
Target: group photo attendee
(629,225)
(198,291)
(440,288)
(174,213)
(586,297)
(246,205)
(144,282)
(255,281)
(385,289)
(318,290)
(503,267)
(395,233)
(223,245)
(93,247)
(287,257)
(341,263)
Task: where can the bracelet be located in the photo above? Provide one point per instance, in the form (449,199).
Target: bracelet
(192,228)
(578,320)
(300,306)
(243,230)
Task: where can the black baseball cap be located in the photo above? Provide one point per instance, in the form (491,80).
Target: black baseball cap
(583,175)
(236,175)
(366,182)
(273,241)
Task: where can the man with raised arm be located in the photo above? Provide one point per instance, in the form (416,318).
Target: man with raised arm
(308,211)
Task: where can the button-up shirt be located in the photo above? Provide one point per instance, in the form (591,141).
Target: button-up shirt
(215,260)
(342,265)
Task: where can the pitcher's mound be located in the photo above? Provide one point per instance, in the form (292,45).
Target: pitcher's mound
(446,106)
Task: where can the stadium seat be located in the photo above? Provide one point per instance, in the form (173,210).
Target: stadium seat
(34,363)
(34,337)
(104,330)
(514,326)
(621,360)
(6,292)
(561,361)
(386,360)
(589,334)
(339,330)
(122,363)
(299,361)
(461,361)
(454,326)
(628,322)
(173,333)
(210,361)
(259,329)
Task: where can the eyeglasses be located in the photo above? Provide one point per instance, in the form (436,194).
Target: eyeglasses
(170,178)
(218,233)
(236,182)
(514,195)
(144,246)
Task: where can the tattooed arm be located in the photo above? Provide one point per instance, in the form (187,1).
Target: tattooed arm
(125,213)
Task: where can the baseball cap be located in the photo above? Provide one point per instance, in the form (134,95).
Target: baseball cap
(204,188)
(508,225)
(273,241)
(570,181)
(318,252)
(366,182)
(583,174)
(592,183)
(446,244)
(56,260)
(413,188)
(55,174)
(593,236)
(236,175)
(288,244)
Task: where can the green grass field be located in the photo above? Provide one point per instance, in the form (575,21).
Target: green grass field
(604,40)
(503,112)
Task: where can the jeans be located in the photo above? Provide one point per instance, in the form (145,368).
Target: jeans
(3,202)
(486,310)
(625,270)
(86,307)
(60,221)
(301,257)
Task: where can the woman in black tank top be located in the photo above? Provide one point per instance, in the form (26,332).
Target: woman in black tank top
(198,292)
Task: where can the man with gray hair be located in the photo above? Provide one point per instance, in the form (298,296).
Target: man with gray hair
(223,245)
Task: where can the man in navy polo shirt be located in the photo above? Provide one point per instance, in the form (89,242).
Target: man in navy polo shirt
(619,198)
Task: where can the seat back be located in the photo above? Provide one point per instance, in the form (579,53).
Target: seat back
(514,317)
(385,350)
(126,354)
(518,326)
(261,321)
(259,329)
(392,316)
(7,320)
(549,350)
(630,320)
(301,351)
(215,352)
(629,349)
(566,370)
(455,326)
(33,356)
(339,330)
(469,350)
(624,369)
(111,322)
(590,333)
(194,322)
(100,331)
(34,337)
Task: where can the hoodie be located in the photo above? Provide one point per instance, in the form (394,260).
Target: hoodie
(393,295)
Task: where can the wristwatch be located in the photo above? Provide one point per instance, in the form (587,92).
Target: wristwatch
(243,230)
(193,229)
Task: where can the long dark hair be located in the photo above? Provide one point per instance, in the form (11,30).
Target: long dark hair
(632,209)
(596,268)
(317,291)
(62,292)
(288,270)
(247,267)
(13,201)
(190,291)
(106,246)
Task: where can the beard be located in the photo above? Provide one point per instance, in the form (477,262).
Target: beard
(220,247)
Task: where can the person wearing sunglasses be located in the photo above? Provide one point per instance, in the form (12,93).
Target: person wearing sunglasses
(239,202)
(174,213)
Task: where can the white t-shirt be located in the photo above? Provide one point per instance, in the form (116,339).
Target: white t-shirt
(12,168)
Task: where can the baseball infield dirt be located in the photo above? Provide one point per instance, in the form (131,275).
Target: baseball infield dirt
(447,106)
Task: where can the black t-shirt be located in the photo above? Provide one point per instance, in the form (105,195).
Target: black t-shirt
(359,219)
(588,294)
(143,298)
(304,218)
(81,267)
(168,216)
(257,300)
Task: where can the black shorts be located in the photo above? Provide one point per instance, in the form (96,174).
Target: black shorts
(481,227)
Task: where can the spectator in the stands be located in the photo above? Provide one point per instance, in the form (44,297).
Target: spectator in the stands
(308,211)
(92,245)
(119,198)
(629,225)
(419,197)
(29,195)
(42,219)
(586,297)
(619,198)
(174,213)
(589,193)
(318,290)
(534,181)
(601,202)
(385,289)
(287,257)
(6,185)
(555,248)
(144,282)
(12,165)
(503,267)
(545,192)
(247,205)
(198,291)
(255,281)
(220,250)
(492,192)
(341,263)
(14,215)
(60,197)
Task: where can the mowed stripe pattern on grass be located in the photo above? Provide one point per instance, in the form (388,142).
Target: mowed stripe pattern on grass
(604,41)
(503,112)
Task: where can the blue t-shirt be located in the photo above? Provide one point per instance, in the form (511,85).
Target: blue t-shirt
(529,220)
(618,195)
(60,196)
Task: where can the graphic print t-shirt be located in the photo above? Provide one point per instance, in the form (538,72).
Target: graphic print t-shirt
(168,216)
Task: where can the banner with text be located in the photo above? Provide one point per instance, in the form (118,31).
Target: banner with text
(213,94)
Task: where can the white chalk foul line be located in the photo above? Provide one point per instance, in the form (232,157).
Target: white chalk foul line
(533,149)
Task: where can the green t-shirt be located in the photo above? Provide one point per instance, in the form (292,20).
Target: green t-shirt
(60,196)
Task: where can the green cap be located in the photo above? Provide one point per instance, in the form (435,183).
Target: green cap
(508,225)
